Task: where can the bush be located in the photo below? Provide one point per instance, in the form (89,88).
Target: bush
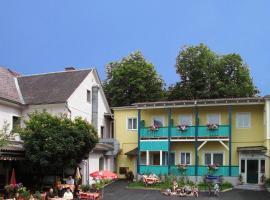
(85,188)
(267,182)
(130,176)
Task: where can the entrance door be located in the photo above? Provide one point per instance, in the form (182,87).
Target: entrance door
(156,159)
(252,171)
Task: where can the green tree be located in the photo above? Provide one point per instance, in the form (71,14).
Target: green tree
(54,142)
(5,134)
(204,74)
(131,80)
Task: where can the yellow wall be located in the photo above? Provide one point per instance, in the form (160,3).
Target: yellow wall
(253,136)
(128,139)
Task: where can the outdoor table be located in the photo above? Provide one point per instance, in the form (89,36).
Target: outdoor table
(62,186)
(90,195)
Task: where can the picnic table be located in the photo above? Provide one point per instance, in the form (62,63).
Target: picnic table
(149,180)
(63,186)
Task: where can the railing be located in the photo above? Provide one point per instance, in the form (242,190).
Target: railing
(161,132)
(203,132)
(189,132)
(154,169)
(204,170)
(189,171)
(221,131)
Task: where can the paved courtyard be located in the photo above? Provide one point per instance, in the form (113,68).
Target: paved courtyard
(118,191)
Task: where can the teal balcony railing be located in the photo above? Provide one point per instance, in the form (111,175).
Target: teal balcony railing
(221,131)
(161,132)
(189,171)
(203,132)
(189,132)
(203,171)
(154,169)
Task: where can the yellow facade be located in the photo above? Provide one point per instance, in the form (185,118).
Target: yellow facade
(255,135)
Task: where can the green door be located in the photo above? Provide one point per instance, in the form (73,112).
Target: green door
(252,171)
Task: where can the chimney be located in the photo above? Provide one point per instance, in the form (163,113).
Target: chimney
(70,68)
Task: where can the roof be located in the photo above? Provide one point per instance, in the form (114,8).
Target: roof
(8,90)
(201,102)
(103,147)
(133,152)
(50,88)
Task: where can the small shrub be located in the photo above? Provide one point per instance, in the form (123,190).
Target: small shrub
(267,182)
(130,176)
(85,188)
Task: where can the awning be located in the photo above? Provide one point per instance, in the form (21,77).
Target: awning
(13,151)
(133,152)
(103,147)
(252,149)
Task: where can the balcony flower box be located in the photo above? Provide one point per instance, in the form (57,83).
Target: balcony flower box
(213,167)
(182,166)
(212,126)
(154,127)
(182,127)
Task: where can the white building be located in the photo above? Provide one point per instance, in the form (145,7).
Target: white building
(73,92)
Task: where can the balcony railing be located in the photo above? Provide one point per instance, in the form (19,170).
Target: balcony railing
(154,169)
(203,132)
(189,171)
(204,170)
(161,132)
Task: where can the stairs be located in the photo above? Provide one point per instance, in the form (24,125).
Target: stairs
(253,187)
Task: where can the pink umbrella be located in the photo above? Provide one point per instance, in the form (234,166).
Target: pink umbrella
(13,178)
(103,175)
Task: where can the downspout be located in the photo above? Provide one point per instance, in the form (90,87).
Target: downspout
(69,111)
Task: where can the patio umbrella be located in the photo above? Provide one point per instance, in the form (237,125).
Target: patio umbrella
(104,175)
(13,178)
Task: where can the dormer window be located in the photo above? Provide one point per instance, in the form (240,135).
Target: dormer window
(88,96)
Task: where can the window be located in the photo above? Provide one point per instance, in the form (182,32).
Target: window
(172,158)
(213,158)
(143,158)
(158,120)
(213,118)
(185,158)
(132,123)
(185,120)
(123,170)
(243,120)
(262,166)
(243,166)
(16,121)
(102,131)
(88,96)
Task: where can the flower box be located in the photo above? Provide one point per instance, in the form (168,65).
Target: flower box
(212,126)
(182,127)
(213,167)
(182,166)
(154,127)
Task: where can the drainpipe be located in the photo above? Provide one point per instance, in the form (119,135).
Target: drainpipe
(196,140)
(169,139)
(139,139)
(69,111)
(230,140)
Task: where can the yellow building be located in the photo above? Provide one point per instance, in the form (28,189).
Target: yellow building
(225,137)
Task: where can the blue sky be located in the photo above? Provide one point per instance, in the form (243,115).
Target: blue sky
(44,36)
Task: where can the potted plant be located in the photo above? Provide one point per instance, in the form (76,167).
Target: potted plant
(240,179)
(154,127)
(213,167)
(212,126)
(182,127)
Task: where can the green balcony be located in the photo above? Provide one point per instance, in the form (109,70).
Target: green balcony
(188,133)
(203,132)
(189,171)
(154,169)
(161,132)
(221,132)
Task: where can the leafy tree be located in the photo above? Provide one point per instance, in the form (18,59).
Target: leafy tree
(131,80)
(54,142)
(5,134)
(204,74)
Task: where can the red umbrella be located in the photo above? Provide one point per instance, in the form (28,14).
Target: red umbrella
(104,175)
(13,178)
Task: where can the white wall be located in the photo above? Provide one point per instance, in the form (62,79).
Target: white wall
(267,109)
(79,106)
(7,111)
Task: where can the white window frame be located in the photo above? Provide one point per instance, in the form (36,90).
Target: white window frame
(158,116)
(188,116)
(212,156)
(185,152)
(219,117)
(132,118)
(241,113)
